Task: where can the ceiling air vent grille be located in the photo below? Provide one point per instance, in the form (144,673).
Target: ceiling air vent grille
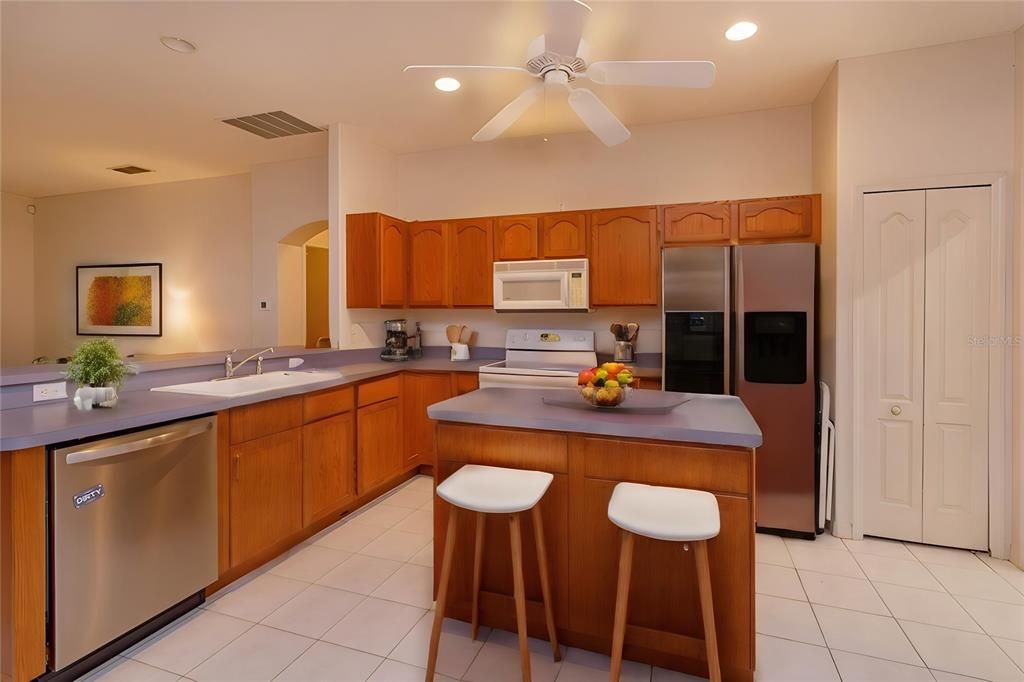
(130,170)
(273,124)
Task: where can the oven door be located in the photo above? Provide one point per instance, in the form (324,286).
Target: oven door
(545,290)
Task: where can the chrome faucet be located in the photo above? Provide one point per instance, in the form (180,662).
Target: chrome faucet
(230,368)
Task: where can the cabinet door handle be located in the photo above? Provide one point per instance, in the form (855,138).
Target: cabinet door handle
(235,466)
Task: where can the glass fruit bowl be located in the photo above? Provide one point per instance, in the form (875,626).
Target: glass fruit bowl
(604,397)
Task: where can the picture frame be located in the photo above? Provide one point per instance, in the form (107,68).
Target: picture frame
(121,299)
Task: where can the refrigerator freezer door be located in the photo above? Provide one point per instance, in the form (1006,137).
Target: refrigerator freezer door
(696,279)
(775,308)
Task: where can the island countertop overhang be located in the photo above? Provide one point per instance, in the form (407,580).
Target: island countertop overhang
(706,419)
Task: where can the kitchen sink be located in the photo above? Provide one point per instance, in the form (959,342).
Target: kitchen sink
(252,384)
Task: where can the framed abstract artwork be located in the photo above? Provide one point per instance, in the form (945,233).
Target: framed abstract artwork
(120,300)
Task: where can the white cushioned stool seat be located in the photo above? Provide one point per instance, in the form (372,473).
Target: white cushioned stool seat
(673,514)
(494,490)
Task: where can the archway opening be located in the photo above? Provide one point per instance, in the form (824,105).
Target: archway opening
(303,287)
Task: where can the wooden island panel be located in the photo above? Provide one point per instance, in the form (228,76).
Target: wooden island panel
(583,545)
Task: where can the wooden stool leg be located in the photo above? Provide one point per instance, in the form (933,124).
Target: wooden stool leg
(520,594)
(621,604)
(442,592)
(478,560)
(707,609)
(545,588)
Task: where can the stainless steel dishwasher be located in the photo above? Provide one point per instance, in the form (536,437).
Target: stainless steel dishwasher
(134,531)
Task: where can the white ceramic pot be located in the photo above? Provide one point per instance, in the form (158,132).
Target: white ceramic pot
(87,397)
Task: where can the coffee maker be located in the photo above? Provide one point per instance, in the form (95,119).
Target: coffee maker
(396,345)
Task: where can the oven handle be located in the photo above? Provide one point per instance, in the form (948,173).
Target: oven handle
(93,454)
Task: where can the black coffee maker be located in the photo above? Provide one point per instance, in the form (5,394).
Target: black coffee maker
(396,345)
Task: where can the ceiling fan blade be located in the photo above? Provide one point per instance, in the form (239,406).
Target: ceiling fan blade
(462,67)
(504,119)
(565,22)
(599,118)
(669,74)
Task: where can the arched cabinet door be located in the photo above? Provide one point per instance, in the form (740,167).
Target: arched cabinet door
(392,262)
(790,219)
(471,255)
(428,264)
(515,238)
(701,223)
(624,256)
(563,235)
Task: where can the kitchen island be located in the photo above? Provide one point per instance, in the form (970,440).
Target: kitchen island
(707,443)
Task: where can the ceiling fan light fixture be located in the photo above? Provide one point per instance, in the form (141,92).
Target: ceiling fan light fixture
(177,44)
(447,84)
(741,30)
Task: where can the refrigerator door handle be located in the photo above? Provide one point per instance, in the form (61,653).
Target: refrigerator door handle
(727,322)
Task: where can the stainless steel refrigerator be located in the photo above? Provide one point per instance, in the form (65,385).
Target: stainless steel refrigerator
(740,320)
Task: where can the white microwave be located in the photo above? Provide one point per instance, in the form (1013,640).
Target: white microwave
(542,285)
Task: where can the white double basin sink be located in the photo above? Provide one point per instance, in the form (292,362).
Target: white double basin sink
(253,384)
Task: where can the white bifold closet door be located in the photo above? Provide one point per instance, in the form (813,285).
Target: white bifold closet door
(926,312)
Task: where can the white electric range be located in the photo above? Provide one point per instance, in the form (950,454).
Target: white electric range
(541,358)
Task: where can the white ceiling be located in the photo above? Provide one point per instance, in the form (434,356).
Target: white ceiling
(87,86)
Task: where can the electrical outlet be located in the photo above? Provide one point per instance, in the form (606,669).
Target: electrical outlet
(55,391)
(263,305)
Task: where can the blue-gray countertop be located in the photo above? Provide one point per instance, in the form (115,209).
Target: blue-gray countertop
(706,419)
(59,421)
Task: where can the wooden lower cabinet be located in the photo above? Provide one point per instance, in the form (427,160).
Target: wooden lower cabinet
(420,391)
(328,466)
(464,382)
(266,493)
(379,454)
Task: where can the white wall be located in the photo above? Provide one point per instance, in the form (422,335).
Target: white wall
(17,321)
(1017,522)
(200,230)
(763,153)
(934,111)
(291,295)
(285,196)
(823,166)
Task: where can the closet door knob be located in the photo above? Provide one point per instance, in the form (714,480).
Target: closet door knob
(896,410)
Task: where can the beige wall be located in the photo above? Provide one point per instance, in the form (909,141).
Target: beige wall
(824,167)
(200,230)
(761,153)
(1017,525)
(17,323)
(285,197)
(291,295)
(929,112)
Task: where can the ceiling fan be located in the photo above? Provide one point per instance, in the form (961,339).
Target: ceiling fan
(559,57)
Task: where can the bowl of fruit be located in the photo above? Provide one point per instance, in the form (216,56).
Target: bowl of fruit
(605,386)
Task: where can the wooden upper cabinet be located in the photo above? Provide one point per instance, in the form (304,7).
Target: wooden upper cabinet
(624,256)
(563,235)
(515,237)
(471,255)
(789,219)
(375,266)
(392,262)
(428,264)
(702,223)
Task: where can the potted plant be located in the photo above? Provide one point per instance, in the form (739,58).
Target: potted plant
(98,369)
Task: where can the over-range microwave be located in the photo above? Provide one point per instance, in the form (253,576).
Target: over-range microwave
(542,285)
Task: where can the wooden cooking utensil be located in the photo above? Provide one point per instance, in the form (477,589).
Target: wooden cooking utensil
(632,329)
(465,335)
(452,331)
(616,330)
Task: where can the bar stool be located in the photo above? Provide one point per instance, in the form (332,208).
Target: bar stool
(672,515)
(495,490)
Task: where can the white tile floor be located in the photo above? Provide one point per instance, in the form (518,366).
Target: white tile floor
(353,603)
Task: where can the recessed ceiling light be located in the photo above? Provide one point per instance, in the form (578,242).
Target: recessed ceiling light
(741,30)
(447,84)
(177,44)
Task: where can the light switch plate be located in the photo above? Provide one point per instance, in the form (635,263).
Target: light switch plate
(263,305)
(55,391)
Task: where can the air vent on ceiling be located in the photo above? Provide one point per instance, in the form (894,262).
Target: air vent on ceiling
(130,170)
(273,124)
